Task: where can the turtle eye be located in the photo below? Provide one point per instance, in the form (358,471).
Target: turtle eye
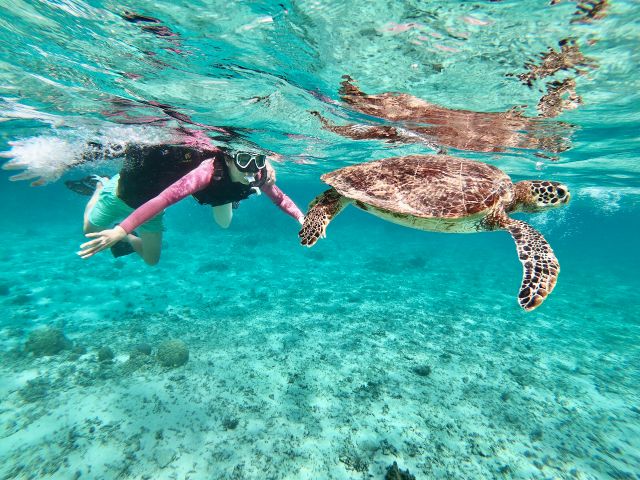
(561,193)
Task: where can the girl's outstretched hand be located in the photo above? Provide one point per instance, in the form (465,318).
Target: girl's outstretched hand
(101,241)
(271,174)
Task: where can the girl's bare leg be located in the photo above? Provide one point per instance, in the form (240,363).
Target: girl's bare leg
(87,227)
(148,245)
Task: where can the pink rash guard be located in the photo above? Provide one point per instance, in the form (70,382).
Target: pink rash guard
(193,182)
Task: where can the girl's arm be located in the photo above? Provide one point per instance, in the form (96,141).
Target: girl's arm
(283,202)
(192,182)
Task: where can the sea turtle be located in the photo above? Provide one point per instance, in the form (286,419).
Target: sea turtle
(441,193)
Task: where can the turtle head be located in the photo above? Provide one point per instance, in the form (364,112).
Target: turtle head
(540,195)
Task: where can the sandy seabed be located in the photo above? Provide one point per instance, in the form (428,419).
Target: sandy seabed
(325,363)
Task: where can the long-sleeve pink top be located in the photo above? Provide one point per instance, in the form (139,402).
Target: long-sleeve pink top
(194,181)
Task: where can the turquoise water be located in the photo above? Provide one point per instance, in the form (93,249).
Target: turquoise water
(380,343)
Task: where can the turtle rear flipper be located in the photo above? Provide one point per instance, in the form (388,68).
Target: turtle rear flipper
(322,210)
(540,264)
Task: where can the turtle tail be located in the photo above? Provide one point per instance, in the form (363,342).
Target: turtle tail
(322,210)
(540,265)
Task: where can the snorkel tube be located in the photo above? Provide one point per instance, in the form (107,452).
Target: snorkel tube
(257,179)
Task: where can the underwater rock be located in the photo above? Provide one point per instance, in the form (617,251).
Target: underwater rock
(422,370)
(173,353)
(394,473)
(46,341)
(105,354)
(35,390)
(230,423)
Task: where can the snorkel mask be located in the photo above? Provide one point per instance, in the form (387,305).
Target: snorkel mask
(253,166)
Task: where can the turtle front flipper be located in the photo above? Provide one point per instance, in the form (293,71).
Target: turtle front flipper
(540,264)
(322,210)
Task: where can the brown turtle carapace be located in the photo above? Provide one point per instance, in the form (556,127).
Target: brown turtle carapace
(440,193)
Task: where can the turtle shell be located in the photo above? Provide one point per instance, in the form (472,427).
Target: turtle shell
(425,186)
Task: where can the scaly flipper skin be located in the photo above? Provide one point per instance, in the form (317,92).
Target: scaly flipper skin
(539,263)
(322,210)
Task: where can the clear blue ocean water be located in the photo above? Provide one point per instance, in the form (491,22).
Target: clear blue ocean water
(380,344)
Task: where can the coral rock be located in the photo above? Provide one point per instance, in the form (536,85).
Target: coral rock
(394,473)
(173,353)
(105,354)
(46,342)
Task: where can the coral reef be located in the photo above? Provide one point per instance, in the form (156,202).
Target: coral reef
(46,342)
(35,390)
(230,423)
(105,354)
(394,473)
(422,370)
(173,353)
